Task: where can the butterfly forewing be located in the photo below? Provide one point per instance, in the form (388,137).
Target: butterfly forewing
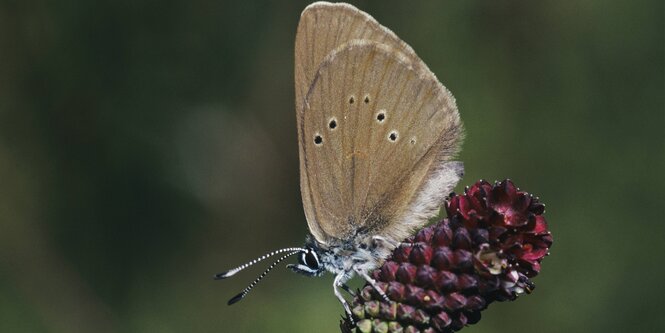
(393,127)
(323,27)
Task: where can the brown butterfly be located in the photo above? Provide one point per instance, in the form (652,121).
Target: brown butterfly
(377,132)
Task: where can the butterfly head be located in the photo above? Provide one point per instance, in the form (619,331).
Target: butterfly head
(309,262)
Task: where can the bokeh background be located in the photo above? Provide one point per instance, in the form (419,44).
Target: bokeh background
(146,145)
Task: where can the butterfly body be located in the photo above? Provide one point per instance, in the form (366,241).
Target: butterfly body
(358,255)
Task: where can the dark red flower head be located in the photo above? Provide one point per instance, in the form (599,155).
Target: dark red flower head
(488,249)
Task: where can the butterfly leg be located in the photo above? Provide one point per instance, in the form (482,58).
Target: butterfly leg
(348,289)
(340,282)
(374,285)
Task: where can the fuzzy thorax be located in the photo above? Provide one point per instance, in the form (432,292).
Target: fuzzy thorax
(360,255)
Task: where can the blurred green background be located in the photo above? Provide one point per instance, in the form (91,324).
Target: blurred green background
(146,145)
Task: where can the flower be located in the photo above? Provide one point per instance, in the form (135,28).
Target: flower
(441,279)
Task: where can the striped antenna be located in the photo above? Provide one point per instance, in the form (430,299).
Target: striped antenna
(244,293)
(232,272)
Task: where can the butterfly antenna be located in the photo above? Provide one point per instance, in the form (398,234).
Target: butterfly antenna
(244,293)
(232,272)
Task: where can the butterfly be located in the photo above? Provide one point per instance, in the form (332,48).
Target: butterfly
(377,133)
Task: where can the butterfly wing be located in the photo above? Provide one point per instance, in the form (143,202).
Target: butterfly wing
(376,134)
(323,27)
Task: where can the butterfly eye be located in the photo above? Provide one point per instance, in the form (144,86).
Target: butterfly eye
(318,140)
(311,259)
(332,124)
(393,136)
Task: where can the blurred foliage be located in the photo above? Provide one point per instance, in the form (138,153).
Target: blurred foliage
(146,145)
